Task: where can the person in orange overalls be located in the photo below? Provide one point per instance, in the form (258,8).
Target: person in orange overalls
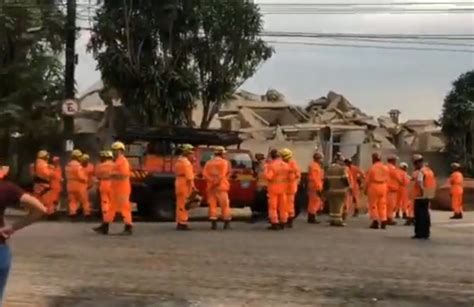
(216,172)
(393,186)
(404,203)
(356,178)
(56,182)
(89,169)
(293,182)
(103,174)
(376,190)
(42,175)
(456,183)
(121,189)
(315,187)
(277,175)
(77,186)
(184,184)
(424,189)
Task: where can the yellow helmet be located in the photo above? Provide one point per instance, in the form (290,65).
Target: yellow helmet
(286,153)
(85,157)
(187,148)
(118,146)
(109,154)
(404,165)
(42,154)
(103,153)
(417,157)
(219,150)
(76,153)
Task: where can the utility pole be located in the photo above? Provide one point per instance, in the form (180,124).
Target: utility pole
(69,71)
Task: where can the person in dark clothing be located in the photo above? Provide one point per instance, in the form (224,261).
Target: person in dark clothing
(423,191)
(10,195)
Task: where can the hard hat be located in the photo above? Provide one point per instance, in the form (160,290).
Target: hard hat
(286,153)
(76,153)
(103,153)
(187,148)
(318,155)
(455,165)
(348,160)
(392,158)
(403,165)
(219,150)
(118,146)
(56,159)
(109,154)
(42,154)
(85,157)
(377,156)
(417,157)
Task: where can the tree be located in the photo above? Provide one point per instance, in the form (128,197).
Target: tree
(458,121)
(31,74)
(141,50)
(227,50)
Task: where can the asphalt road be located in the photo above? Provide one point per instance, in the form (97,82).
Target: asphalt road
(64,264)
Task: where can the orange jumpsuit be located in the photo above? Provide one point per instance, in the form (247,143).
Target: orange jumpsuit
(315,187)
(76,180)
(294,177)
(376,180)
(403,197)
(456,182)
(42,184)
(56,184)
(277,175)
(121,190)
(184,185)
(216,172)
(103,173)
(393,186)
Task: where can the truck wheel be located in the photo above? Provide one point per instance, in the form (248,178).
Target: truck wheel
(162,206)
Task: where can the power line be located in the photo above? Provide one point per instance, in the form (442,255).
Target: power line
(369,35)
(371,46)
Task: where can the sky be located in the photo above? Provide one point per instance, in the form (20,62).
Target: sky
(375,80)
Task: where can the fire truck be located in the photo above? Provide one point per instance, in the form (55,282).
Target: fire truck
(151,153)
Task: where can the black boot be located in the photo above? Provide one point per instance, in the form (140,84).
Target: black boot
(127,230)
(312,219)
(405,216)
(226,225)
(383,225)
(337,224)
(74,218)
(182,227)
(454,217)
(274,227)
(103,229)
(213,225)
(397,215)
(374,225)
(460,216)
(344,216)
(391,222)
(282,225)
(356,212)
(289,224)
(409,221)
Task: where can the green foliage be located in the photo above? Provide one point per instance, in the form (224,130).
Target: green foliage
(162,55)
(30,70)
(140,47)
(458,120)
(227,49)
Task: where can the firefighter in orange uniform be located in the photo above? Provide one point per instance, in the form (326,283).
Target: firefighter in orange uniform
(77,186)
(393,187)
(456,183)
(294,177)
(315,187)
(56,182)
(216,172)
(121,189)
(356,178)
(89,169)
(184,184)
(42,181)
(103,174)
(404,202)
(277,175)
(424,189)
(376,190)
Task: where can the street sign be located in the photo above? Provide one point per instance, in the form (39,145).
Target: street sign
(70,107)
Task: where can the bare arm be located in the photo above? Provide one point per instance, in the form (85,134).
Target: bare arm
(36,212)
